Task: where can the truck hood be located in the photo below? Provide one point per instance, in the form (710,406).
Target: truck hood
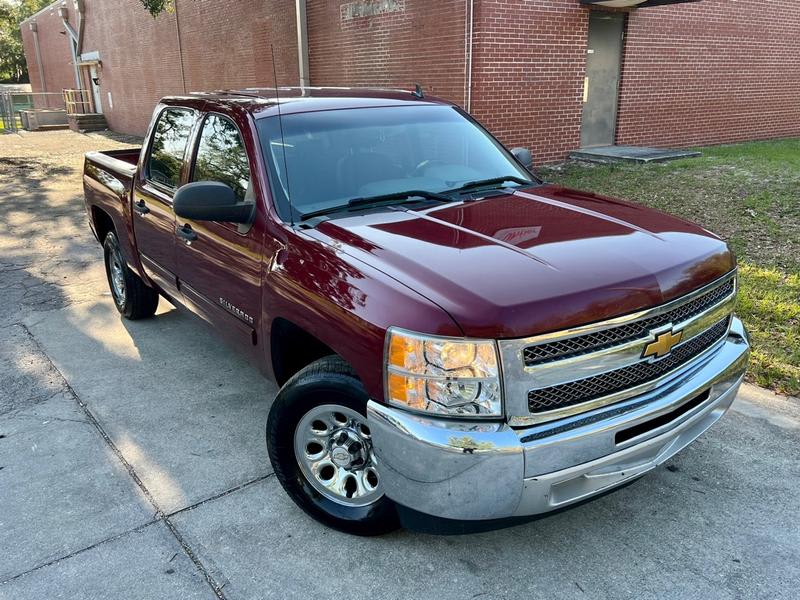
(535,260)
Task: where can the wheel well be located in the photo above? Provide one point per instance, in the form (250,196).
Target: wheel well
(292,349)
(102,223)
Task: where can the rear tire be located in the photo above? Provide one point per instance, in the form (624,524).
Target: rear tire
(133,298)
(321,450)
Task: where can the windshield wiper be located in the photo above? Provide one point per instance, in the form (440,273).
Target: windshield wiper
(366,201)
(494,181)
(398,196)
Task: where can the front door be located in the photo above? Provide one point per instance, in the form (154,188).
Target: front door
(93,82)
(153,217)
(219,272)
(601,86)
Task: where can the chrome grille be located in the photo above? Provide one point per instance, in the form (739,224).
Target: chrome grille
(584,390)
(599,340)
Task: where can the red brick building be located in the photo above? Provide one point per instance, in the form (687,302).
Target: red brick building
(554,75)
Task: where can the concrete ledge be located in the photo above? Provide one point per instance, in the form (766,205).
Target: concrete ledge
(631,154)
(43,119)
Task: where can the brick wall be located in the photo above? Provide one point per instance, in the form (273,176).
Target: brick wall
(227,44)
(140,60)
(394,43)
(711,72)
(222,45)
(529,60)
(56,57)
(700,73)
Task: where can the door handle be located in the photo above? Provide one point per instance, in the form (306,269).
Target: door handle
(186,233)
(141,208)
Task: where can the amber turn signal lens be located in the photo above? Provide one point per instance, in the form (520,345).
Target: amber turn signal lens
(398,348)
(405,390)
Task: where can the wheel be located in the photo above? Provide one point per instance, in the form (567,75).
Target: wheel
(133,298)
(321,450)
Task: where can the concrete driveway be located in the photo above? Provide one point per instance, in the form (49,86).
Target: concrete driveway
(132,461)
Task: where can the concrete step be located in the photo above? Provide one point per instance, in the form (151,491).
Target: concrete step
(630,154)
(92,120)
(87,122)
(52,127)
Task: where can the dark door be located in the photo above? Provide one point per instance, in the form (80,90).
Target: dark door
(220,272)
(600,93)
(153,217)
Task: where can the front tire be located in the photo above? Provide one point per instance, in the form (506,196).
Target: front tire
(133,298)
(321,450)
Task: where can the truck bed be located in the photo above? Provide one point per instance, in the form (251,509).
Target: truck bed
(118,161)
(107,182)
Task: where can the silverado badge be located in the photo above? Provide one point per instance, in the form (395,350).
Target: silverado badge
(662,345)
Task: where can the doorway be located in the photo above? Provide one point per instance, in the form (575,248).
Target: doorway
(98,107)
(601,86)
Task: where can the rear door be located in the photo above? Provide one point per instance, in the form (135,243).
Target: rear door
(219,273)
(601,87)
(161,175)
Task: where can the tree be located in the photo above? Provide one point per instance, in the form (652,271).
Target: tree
(156,7)
(12,56)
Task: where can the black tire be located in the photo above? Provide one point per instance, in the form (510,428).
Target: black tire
(136,300)
(327,381)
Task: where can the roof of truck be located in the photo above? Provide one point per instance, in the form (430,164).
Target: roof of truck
(263,102)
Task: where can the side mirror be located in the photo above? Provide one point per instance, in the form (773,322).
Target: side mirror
(211,201)
(524,156)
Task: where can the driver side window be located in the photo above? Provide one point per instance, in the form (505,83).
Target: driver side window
(221,156)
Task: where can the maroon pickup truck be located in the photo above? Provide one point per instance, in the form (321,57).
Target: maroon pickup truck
(455,341)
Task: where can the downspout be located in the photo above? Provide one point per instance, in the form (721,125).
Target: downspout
(180,43)
(38,49)
(79,4)
(468,56)
(73,43)
(302,44)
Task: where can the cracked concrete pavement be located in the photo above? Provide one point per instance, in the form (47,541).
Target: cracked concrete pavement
(132,462)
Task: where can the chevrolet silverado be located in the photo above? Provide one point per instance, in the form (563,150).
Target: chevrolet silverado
(455,341)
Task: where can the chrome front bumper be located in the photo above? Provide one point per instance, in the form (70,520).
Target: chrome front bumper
(477,470)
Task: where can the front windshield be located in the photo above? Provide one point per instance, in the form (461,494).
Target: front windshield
(337,155)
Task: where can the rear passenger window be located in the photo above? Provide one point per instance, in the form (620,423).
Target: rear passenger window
(169,147)
(221,155)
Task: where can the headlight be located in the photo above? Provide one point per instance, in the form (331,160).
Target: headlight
(449,376)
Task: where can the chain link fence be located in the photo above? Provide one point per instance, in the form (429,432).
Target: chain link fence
(27,110)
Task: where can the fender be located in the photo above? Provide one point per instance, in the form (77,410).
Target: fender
(345,303)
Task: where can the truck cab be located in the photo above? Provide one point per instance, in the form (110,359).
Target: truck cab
(454,340)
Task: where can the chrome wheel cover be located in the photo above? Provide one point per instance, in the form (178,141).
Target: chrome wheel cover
(117,276)
(333,447)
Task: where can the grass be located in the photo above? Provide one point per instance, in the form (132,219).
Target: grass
(2,125)
(750,195)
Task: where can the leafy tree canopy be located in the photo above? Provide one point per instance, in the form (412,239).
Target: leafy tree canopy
(156,7)
(12,55)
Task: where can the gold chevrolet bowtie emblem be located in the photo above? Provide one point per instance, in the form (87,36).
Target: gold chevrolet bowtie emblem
(662,345)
